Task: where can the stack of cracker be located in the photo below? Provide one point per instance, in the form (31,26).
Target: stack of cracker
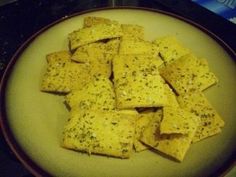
(127,94)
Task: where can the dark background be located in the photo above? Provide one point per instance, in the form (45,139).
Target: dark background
(20,19)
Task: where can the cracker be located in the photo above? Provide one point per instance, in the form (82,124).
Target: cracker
(85,53)
(112,46)
(98,61)
(137,82)
(131,47)
(188,74)
(177,120)
(150,132)
(100,64)
(62,75)
(173,145)
(134,65)
(59,57)
(92,34)
(132,32)
(82,55)
(210,121)
(171,97)
(91,21)
(170,49)
(88,131)
(142,122)
(96,95)
(140,91)
(100,69)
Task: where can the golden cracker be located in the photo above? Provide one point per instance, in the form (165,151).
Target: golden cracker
(91,21)
(210,121)
(98,94)
(87,131)
(170,49)
(187,74)
(173,145)
(92,34)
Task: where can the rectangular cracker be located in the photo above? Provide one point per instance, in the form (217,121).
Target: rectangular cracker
(134,65)
(92,34)
(210,121)
(98,94)
(132,32)
(88,131)
(142,121)
(53,77)
(188,74)
(62,75)
(131,47)
(91,21)
(170,49)
(173,145)
(177,120)
(137,82)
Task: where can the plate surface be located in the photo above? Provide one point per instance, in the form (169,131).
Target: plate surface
(36,119)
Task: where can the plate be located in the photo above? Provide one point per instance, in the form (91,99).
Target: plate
(33,121)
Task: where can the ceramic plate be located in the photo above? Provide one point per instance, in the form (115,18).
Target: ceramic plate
(32,121)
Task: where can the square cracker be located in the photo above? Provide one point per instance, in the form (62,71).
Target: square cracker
(177,120)
(88,131)
(142,122)
(132,32)
(139,91)
(62,75)
(132,47)
(210,121)
(170,49)
(173,145)
(98,94)
(91,21)
(188,74)
(137,82)
(92,34)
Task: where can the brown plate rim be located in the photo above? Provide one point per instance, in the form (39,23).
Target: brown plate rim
(5,128)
